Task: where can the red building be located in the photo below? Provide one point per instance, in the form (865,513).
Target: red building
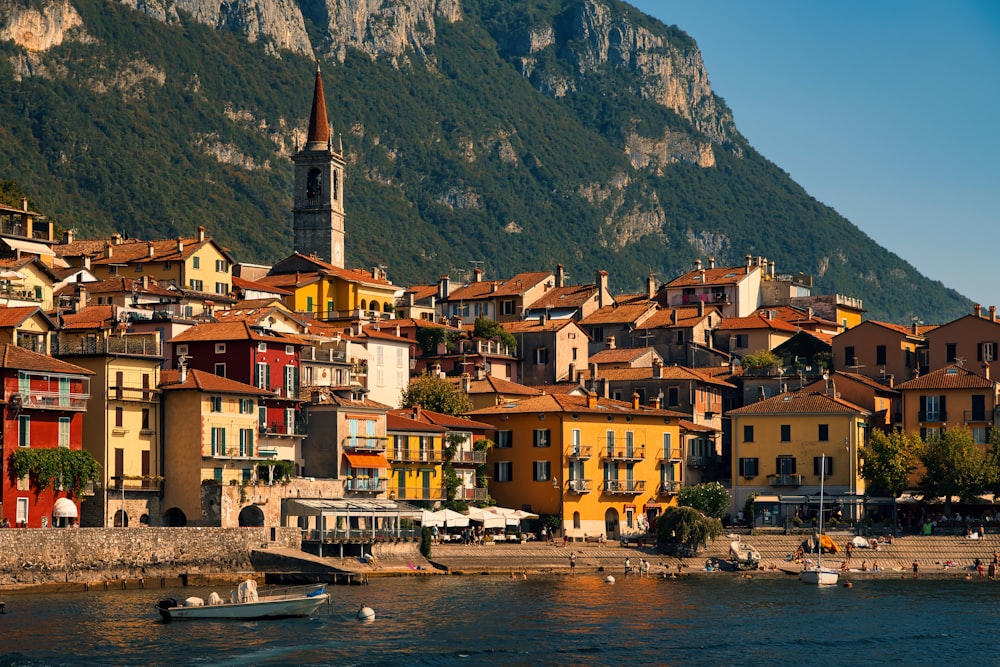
(43,404)
(260,357)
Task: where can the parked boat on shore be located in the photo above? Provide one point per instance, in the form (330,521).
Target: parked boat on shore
(247,604)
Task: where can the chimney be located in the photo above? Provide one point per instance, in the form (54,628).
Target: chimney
(116,238)
(150,250)
(657,368)
(86,262)
(993,313)
(711,261)
(609,342)
(749,259)
(593,372)
(201,233)
(986,370)
(182,370)
(697,265)
(108,251)
(591,399)
(477,275)
(654,402)
(701,308)
(773,265)
(602,288)
(560,276)
(444,287)
(466,383)
(180,245)
(80,297)
(809,313)
(24,203)
(673,316)
(977,310)
(541,319)
(145,281)
(650,286)
(69,236)
(635,400)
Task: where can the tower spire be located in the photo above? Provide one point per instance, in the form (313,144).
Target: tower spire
(319,127)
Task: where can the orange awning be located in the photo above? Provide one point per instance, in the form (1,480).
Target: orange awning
(367,460)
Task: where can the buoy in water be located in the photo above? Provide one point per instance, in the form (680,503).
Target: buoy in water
(609,579)
(366,614)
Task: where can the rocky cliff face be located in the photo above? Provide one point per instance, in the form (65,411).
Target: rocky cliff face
(40,29)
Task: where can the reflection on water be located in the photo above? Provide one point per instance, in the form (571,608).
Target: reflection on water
(703,620)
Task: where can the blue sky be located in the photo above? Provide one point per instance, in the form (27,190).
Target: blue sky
(886,111)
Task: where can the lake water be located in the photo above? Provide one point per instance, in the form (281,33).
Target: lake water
(696,620)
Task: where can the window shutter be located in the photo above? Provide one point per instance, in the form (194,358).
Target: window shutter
(923,433)
(944,412)
(922,414)
(777,466)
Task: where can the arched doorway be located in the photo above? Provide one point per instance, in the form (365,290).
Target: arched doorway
(576,521)
(251,515)
(174,518)
(121,519)
(611,524)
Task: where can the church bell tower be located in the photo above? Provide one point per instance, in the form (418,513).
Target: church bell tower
(318,211)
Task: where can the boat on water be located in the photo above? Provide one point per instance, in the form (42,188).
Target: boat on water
(247,604)
(817,575)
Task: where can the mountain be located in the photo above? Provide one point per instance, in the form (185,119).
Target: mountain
(516,134)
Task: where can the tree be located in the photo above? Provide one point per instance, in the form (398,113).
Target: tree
(430,338)
(683,530)
(954,466)
(710,498)
(433,393)
(490,330)
(761,361)
(888,460)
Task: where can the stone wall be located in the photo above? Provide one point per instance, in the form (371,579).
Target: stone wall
(40,555)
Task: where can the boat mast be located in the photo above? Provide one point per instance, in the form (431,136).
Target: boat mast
(822,474)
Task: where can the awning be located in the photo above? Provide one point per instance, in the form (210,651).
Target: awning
(651,506)
(367,460)
(64,509)
(629,506)
(767,499)
(30,247)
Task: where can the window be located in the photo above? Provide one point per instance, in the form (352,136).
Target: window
(673,396)
(824,432)
(576,441)
(196,262)
(950,352)
(826,462)
(197,285)
(216,403)
(168,265)
(749,467)
(217,474)
(849,357)
(119,417)
(505,439)
(262,346)
(22,511)
(507,307)
(932,409)
(220,348)
(609,443)
(679,340)
(289,349)
(263,379)
(542,437)
(541,356)
(220,370)
(978,408)
(222,288)
(668,445)
(119,383)
(246,474)
(246,406)
(221,266)
(218,441)
(64,431)
(979,434)
(596,334)
(747,433)
(785,465)
(786,432)
(741,340)
(986,352)
(503,471)
(541,471)
(182,350)
(145,419)
(880,355)
(309,304)
(246,442)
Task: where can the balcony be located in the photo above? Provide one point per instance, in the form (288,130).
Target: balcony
(415,456)
(670,455)
(697,461)
(417,493)
(469,458)
(624,487)
(668,488)
(977,417)
(9,292)
(327,354)
(626,454)
(367,443)
(784,480)
(581,485)
(579,452)
(143,483)
(471,494)
(709,298)
(366,485)
(282,429)
(144,345)
(51,400)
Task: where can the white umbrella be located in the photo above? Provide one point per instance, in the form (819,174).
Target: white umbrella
(487,518)
(428,518)
(453,519)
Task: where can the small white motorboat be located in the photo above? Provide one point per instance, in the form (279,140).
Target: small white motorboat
(247,603)
(744,556)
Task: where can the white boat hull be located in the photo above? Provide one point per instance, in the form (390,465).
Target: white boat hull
(817,576)
(282,607)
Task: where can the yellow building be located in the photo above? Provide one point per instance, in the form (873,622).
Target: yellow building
(602,466)
(416,454)
(210,439)
(328,293)
(778,444)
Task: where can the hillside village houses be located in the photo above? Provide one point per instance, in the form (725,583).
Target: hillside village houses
(214,393)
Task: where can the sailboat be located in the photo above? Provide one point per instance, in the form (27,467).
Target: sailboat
(817,575)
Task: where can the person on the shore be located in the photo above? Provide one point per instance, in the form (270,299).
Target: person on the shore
(850,549)
(572,563)
(916,569)
(628,565)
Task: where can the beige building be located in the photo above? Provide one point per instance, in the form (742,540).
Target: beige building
(551,350)
(881,350)
(972,341)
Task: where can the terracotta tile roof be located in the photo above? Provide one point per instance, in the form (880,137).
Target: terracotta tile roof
(865,380)
(723,276)
(676,373)
(135,251)
(16,315)
(91,317)
(755,321)
(697,374)
(13,357)
(207,382)
(495,385)
(336,396)
(949,377)
(394,421)
(238,330)
(621,355)
(514,286)
(258,287)
(573,403)
(325,268)
(817,403)
(633,313)
(535,326)
(687,316)
(906,331)
(290,280)
(256,311)
(422,292)
(573,296)
(387,333)
(641,297)
(698,428)
(122,285)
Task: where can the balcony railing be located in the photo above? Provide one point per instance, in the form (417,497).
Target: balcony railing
(471,494)
(8,291)
(415,456)
(581,485)
(366,485)
(281,428)
(977,417)
(143,484)
(784,480)
(714,297)
(417,493)
(131,344)
(670,455)
(924,416)
(668,488)
(469,457)
(697,461)
(323,354)
(624,486)
(579,452)
(626,454)
(367,443)
(53,400)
